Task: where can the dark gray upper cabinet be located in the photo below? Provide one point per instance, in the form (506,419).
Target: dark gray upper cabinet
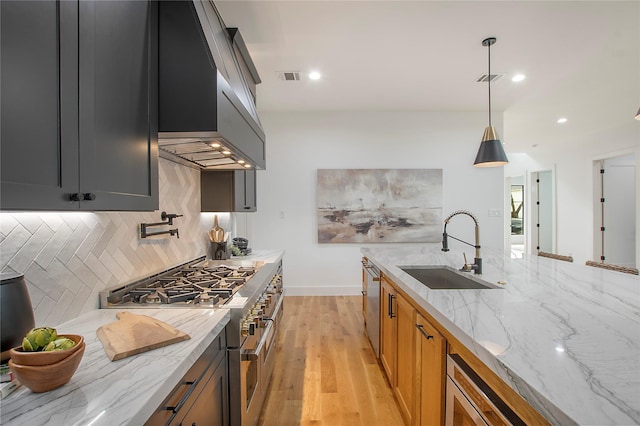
(79,105)
(228,190)
(39,112)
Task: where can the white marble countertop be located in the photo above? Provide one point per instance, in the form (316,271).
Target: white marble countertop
(266,256)
(123,392)
(564,336)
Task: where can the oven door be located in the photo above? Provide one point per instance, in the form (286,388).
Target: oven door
(268,356)
(256,366)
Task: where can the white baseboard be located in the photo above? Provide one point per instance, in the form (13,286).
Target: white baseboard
(322,291)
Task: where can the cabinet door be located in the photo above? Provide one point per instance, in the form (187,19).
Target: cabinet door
(404,386)
(245,191)
(118,127)
(431,347)
(39,148)
(211,406)
(388,330)
(228,191)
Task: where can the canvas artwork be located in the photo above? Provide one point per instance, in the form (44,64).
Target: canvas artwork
(379,205)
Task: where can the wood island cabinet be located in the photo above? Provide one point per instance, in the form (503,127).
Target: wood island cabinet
(79,105)
(387,330)
(413,355)
(397,347)
(404,386)
(431,349)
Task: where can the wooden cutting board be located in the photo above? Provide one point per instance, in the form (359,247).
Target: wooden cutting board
(133,334)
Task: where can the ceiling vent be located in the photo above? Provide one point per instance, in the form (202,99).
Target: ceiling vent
(486,77)
(289,75)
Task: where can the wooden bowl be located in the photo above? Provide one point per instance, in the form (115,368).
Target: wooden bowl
(43,378)
(21,357)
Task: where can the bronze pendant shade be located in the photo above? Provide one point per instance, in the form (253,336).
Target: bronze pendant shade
(491,152)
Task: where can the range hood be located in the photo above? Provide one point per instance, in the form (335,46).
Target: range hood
(207,112)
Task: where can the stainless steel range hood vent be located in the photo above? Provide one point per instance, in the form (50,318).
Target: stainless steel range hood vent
(206,90)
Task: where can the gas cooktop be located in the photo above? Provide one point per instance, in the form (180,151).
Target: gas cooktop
(197,283)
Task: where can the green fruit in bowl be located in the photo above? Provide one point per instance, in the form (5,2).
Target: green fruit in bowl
(60,344)
(38,338)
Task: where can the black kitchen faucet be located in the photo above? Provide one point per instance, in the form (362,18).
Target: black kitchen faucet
(477,261)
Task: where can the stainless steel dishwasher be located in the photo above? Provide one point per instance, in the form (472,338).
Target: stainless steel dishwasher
(372,274)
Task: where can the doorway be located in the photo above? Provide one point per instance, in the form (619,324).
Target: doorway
(615,210)
(517,217)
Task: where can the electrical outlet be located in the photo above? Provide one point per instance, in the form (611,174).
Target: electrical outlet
(495,213)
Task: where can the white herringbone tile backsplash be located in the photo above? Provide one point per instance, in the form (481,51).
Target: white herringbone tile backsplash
(68,258)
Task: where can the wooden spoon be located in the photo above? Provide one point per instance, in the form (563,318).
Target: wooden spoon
(217,232)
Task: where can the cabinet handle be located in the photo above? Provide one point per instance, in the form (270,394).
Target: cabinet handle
(177,407)
(247,207)
(74,197)
(391,314)
(88,196)
(364,293)
(424,333)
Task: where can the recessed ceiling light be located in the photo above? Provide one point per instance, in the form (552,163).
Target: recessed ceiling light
(562,120)
(314,75)
(248,166)
(215,145)
(518,77)
(240,161)
(226,152)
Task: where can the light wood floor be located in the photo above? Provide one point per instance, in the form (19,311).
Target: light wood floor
(325,370)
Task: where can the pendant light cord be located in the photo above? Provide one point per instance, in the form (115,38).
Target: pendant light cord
(489,81)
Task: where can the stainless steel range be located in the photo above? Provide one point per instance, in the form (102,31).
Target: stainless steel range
(252,291)
(198,283)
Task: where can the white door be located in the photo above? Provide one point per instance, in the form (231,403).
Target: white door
(616,223)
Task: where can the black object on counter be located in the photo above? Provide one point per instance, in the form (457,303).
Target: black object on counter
(16,312)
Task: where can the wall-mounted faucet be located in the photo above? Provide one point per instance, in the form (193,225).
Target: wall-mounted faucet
(477,262)
(167,219)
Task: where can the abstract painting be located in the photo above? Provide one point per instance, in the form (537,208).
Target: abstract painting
(379,205)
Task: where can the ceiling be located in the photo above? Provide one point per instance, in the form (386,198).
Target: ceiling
(581,59)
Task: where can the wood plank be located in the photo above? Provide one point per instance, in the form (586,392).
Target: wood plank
(325,370)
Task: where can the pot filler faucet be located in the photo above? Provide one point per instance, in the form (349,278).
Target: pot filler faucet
(477,262)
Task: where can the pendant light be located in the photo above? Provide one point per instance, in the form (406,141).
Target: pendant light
(491,152)
(638,114)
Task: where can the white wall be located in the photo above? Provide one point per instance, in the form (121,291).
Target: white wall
(572,164)
(300,143)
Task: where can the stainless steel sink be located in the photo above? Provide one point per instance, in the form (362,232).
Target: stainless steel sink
(445,278)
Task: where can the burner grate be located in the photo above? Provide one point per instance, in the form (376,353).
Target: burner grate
(186,285)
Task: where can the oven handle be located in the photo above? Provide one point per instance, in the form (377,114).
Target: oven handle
(252,355)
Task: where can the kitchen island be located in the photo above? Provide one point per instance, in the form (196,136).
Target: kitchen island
(123,392)
(564,336)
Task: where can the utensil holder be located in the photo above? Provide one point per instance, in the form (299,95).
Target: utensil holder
(220,251)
